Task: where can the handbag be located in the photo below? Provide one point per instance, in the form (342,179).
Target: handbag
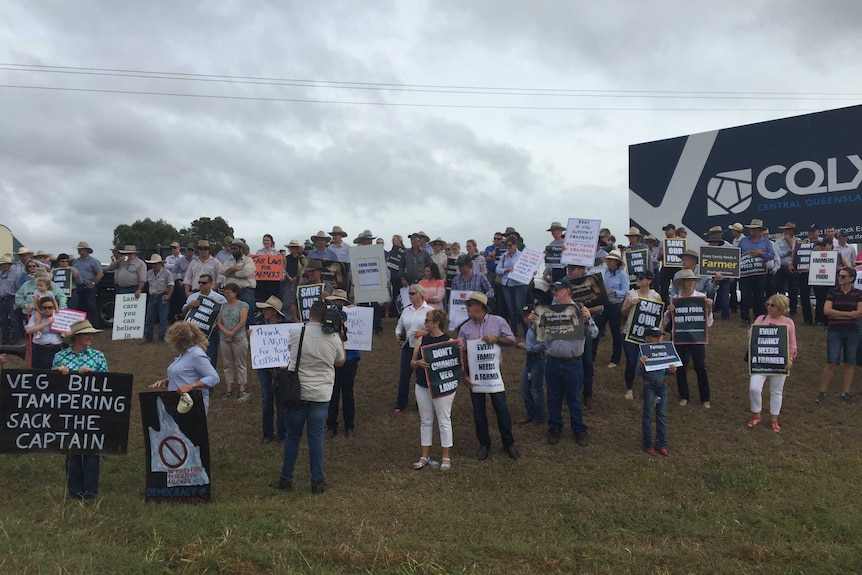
(286,389)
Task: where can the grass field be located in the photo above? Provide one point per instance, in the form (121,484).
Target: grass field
(727,500)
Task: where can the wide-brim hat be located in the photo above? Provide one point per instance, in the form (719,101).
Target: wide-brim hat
(84,246)
(438,240)
(128,249)
(338,295)
(337,231)
(755,224)
(651,238)
(320,234)
(271,302)
(420,234)
(683,275)
(479,297)
(691,254)
(22,251)
(633,231)
(715,230)
(40,254)
(6,259)
(556,226)
(614,255)
(788,226)
(365,235)
(82,326)
(312,265)
(175,245)
(737,227)
(154,259)
(293,244)
(205,243)
(228,240)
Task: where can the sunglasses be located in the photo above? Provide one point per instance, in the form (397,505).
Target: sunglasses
(47,308)
(412,293)
(204,283)
(843,276)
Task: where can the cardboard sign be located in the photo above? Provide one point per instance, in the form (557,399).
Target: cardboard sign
(751,266)
(305,297)
(268,267)
(580,241)
(269,344)
(824,268)
(660,355)
(368,270)
(458,308)
(560,321)
(672,251)
(589,290)
(44,411)
(484,362)
(689,320)
(768,350)
(63,278)
(64,318)
(802,256)
(177,448)
(526,267)
(129,315)
(205,316)
(636,261)
(444,367)
(722,260)
(360,328)
(645,314)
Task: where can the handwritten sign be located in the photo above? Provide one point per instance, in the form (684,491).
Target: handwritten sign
(63,278)
(580,241)
(306,296)
(368,270)
(205,316)
(269,344)
(824,268)
(526,267)
(646,313)
(129,315)
(672,251)
(689,320)
(46,411)
(484,361)
(458,308)
(64,318)
(660,355)
(268,267)
(360,327)
(444,367)
(768,350)
(719,259)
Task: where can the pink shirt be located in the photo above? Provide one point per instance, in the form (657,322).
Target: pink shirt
(434,290)
(783,320)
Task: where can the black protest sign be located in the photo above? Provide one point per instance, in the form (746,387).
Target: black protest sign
(306,296)
(177,448)
(561,321)
(689,320)
(444,367)
(63,278)
(636,261)
(722,260)
(589,290)
(672,251)
(660,355)
(751,266)
(646,313)
(336,274)
(768,350)
(802,256)
(46,411)
(205,316)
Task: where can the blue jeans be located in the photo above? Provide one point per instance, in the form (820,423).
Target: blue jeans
(314,413)
(588,359)
(247,295)
(212,349)
(655,395)
(515,296)
(155,306)
(126,289)
(87,303)
(404,377)
(82,476)
(632,351)
(480,417)
(533,386)
(264,377)
(565,379)
(843,340)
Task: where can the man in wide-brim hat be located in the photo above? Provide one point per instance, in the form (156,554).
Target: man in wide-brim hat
(338,245)
(756,247)
(786,281)
(313,272)
(130,271)
(555,270)
(321,249)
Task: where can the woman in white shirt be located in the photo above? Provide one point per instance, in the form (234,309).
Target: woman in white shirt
(411,326)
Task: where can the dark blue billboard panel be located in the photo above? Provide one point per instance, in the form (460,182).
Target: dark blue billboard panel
(806,169)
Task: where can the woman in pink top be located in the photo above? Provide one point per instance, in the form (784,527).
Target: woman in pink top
(776,314)
(435,287)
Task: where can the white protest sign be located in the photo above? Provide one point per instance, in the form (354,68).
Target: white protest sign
(368,271)
(457,308)
(269,344)
(858,283)
(484,361)
(580,242)
(64,318)
(360,328)
(129,315)
(405,297)
(526,266)
(823,270)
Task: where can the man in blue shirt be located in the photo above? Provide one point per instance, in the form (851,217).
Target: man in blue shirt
(89,275)
(753,288)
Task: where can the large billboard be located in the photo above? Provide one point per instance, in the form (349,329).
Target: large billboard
(805,169)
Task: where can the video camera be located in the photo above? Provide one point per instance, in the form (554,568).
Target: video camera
(335,321)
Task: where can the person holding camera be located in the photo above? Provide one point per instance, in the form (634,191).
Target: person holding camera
(345,375)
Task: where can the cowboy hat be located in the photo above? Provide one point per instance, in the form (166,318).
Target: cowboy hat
(337,231)
(271,302)
(206,244)
(737,227)
(479,297)
(420,234)
(614,255)
(6,259)
(128,249)
(84,246)
(24,251)
(683,275)
(691,254)
(633,231)
(338,295)
(755,224)
(154,259)
(293,244)
(313,265)
(365,235)
(556,226)
(81,327)
(788,226)
(320,234)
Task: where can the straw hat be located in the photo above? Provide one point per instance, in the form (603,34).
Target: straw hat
(154,259)
(271,302)
(320,234)
(365,235)
(691,254)
(737,227)
(614,255)
(556,226)
(479,297)
(788,226)
(633,231)
(338,295)
(293,244)
(755,224)
(337,231)
(683,275)
(6,259)
(84,246)
(24,251)
(82,326)
(128,249)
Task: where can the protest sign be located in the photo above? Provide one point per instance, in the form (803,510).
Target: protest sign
(177,448)
(335,273)
(129,315)
(368,270)
(526,267)
(553,255)
(444,367)
(660,355)
(672,251)
(589,290)
(269,344)
(306,296)
(402,300)
(768,350)
(484,362)
(580,241)
(451,270)
(64,318)
(751,266)
(63,278)
(636,261)
(823,270)
(560,321)
(205,316)
(46,411)
(858,283)
(802,256)
(722,260)
(458,308)
(647,313)
(268,267)
(360,327)
(689,320)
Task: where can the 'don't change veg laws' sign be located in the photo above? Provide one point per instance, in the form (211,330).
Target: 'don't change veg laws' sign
(444,367)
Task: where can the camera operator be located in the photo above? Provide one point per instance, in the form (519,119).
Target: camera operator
(335,321)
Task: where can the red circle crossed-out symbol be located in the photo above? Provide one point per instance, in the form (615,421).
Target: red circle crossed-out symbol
(173,451)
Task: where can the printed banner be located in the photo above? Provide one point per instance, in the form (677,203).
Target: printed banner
(368,270)
(458,308)
(751,266)
(672,252)
(858,283)
(205,316)
(660,355)
(305,297)
(580,241)
(526,267)
(484,362)
(63,278)
(722,260)
(177,448)
(647,313)
(802,256)
(768,350)
(636,261)
(129,315)
(268,344)
(689,320)
(561,321)
(824,268)
(64,318)
(589,290)
(360,327)
(268,267)
(444,367)
(48,412)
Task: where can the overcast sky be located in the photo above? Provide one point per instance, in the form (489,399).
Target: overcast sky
(75,164)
